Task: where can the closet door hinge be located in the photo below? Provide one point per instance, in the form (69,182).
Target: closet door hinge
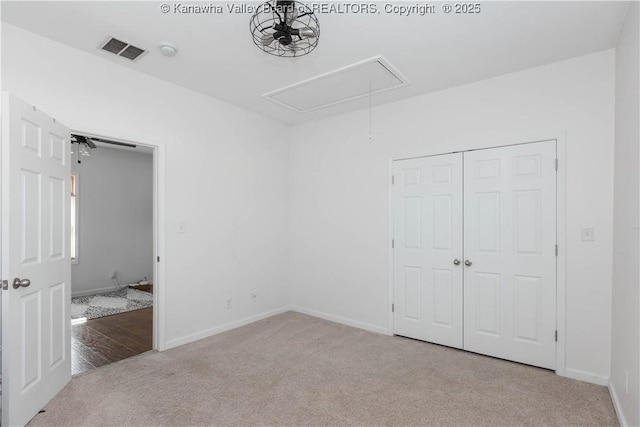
(556,164)
(158,259)
(393,308)
(556,336)
(556,250)
(393,179)
(393,243)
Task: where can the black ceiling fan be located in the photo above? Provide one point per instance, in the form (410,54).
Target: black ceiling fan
(88,142)
(285,28)
(80,139)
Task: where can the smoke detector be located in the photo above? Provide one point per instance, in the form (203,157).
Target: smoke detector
(168,49)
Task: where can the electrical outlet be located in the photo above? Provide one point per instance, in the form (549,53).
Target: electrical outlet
(229,304)
(254,297)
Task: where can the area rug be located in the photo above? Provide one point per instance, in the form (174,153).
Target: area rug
(108,303)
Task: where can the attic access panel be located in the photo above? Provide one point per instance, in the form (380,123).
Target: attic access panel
(373,76)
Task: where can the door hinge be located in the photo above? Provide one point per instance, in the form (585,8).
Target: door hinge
(556,336)
(393,308)
(158,259)
(393,243)
(393,179)
(556,250)
(5,285)
(556,164)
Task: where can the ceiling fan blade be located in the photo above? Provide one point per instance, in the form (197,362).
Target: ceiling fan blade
(267,39)
(306,32)
(80,139)
(291,15)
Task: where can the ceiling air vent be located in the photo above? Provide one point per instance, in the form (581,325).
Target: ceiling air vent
(120,48)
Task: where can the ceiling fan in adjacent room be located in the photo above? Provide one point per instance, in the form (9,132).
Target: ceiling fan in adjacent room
(87,143)
(285,28)
(84,145)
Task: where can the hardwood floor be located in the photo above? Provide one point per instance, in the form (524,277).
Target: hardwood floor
(105,340)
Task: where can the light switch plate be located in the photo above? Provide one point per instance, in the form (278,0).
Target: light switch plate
(586,233)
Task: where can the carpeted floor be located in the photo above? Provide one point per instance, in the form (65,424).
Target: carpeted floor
(293,369)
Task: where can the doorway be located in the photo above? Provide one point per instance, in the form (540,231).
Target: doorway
(474,259)
(35,174)
(112,250)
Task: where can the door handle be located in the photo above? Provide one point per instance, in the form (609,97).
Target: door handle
(456,262)
(17,283)
(468,263)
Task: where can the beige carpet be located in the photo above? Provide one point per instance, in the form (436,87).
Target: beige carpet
(292,369)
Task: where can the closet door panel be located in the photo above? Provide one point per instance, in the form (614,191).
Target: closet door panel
(509,242)
(427,211)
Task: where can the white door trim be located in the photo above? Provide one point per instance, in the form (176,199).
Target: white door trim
(159,291)
(561,262)
(488,141)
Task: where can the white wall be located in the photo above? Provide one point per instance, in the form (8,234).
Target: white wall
(625,349)
(339,191)
(115,219)
(225,177)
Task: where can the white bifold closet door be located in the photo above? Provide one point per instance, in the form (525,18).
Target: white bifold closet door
(510,241)
(427,239)
(474,251)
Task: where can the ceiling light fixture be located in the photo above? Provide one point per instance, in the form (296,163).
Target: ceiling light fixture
(285,28)
(87,143)
(84,145)
(168,49)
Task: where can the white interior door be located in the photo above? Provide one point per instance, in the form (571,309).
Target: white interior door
(36,362)
(509,242)
(427,203)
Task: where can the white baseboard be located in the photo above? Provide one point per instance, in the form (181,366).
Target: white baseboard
(223,328)
(342,320)
(93,291)
(617,405)
(576,374)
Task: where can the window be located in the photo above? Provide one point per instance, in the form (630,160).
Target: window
(74,220)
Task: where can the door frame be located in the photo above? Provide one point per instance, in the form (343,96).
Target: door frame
(159,300)
(482,143)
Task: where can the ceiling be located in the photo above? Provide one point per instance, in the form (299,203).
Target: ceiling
(217,57)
